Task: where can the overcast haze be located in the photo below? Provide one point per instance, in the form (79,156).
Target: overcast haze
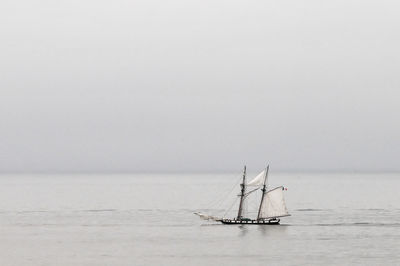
(151,86)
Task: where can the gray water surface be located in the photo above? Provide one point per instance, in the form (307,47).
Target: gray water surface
(337,219)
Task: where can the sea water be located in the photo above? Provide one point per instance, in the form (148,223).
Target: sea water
(147,219)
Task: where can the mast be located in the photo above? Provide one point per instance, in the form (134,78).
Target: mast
(242,191)
(263,193)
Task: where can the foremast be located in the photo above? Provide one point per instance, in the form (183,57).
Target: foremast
(242,195)
(264,190)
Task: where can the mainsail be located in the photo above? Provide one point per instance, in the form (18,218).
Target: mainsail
(273,204)
(258,180)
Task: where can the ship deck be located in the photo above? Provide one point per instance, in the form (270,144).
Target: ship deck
(259,222)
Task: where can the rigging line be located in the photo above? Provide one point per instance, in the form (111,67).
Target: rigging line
(220,199)
(230,207)
(248,193)
(223,200)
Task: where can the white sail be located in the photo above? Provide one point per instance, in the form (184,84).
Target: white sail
(273,204)
(258,180)
(207,217)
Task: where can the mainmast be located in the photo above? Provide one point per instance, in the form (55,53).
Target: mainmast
(242,191)
(263,193)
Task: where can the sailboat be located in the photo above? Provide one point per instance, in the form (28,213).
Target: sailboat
(271,208)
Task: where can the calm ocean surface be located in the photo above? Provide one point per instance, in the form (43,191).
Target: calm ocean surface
(337,219)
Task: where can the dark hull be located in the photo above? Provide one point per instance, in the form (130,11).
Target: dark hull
(257,222)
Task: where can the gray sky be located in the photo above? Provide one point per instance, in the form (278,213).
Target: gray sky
(199,85)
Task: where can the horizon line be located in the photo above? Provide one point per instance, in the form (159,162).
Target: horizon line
(217,171)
